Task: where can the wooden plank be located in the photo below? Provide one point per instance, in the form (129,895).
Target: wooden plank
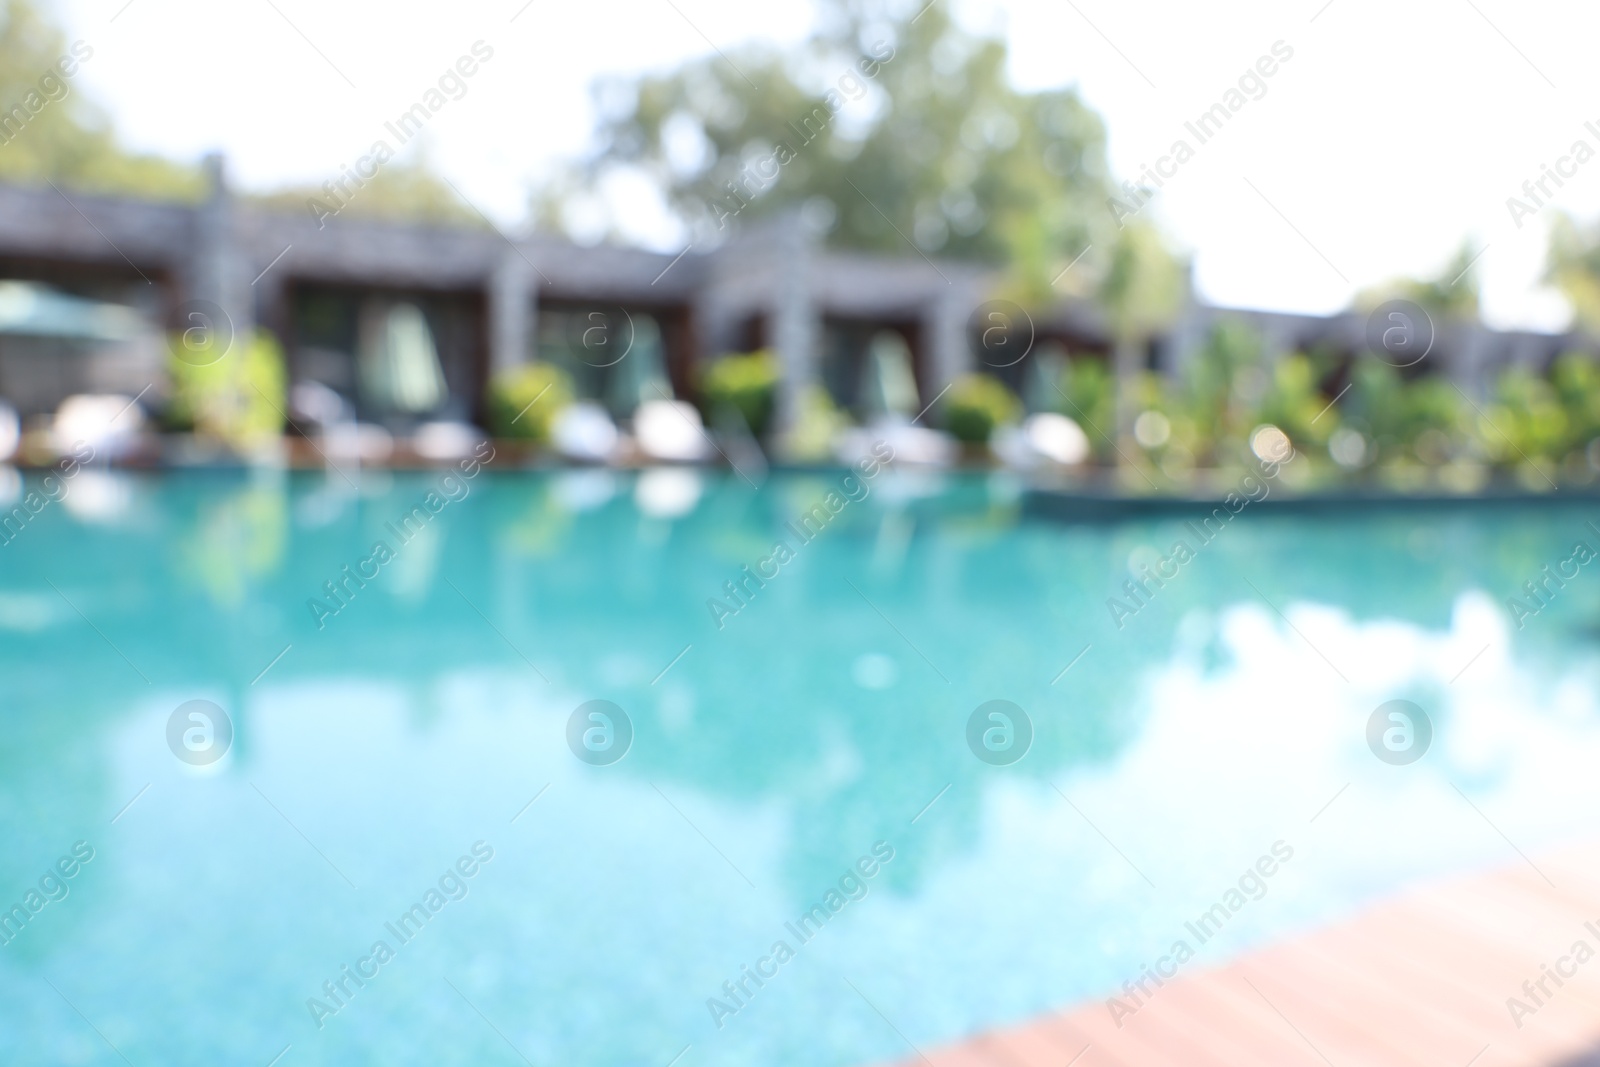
(1413,982)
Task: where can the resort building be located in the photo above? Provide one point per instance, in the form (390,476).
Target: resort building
(91,286)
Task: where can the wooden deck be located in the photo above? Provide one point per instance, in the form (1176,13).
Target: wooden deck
(1421,980)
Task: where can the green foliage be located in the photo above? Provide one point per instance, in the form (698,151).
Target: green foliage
(235,398)
(1221,390)
(1576,378)
(1528,420)
(1295,404)
(524,401)
(236,542)
(67,140)
(1424,420)
(745,383)
(817,424)
(1088,397)
(1451,294)
(407,189)
(1436,419)
(976,405)
(958,160)
(1573,264)
(1412,431)
(1219,398)
(1140,284)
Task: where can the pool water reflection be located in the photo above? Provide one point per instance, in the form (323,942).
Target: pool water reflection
(611,907)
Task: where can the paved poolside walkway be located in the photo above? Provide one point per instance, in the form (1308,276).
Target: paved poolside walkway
(1420,980)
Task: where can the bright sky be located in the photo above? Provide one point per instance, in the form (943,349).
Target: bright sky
(1395,132)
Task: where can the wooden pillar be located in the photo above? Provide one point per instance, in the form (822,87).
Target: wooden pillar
(513,311)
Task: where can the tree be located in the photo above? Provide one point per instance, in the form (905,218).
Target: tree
(1573,264)
(54,134)
(948,158)
(61,137)
(889,125)
(1451,294)
(406,188)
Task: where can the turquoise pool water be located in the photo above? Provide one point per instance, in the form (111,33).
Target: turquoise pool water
(416,741)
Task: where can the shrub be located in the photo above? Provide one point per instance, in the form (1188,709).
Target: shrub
(524,401)
(977,404)
(817,424)
(236,397)
(1294,403)
(745,383)
(1526,420)
(1088,397)
(1577,379)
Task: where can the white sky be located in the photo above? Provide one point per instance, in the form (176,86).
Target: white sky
(1395,132)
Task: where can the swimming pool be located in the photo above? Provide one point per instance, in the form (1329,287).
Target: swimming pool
(400,762)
